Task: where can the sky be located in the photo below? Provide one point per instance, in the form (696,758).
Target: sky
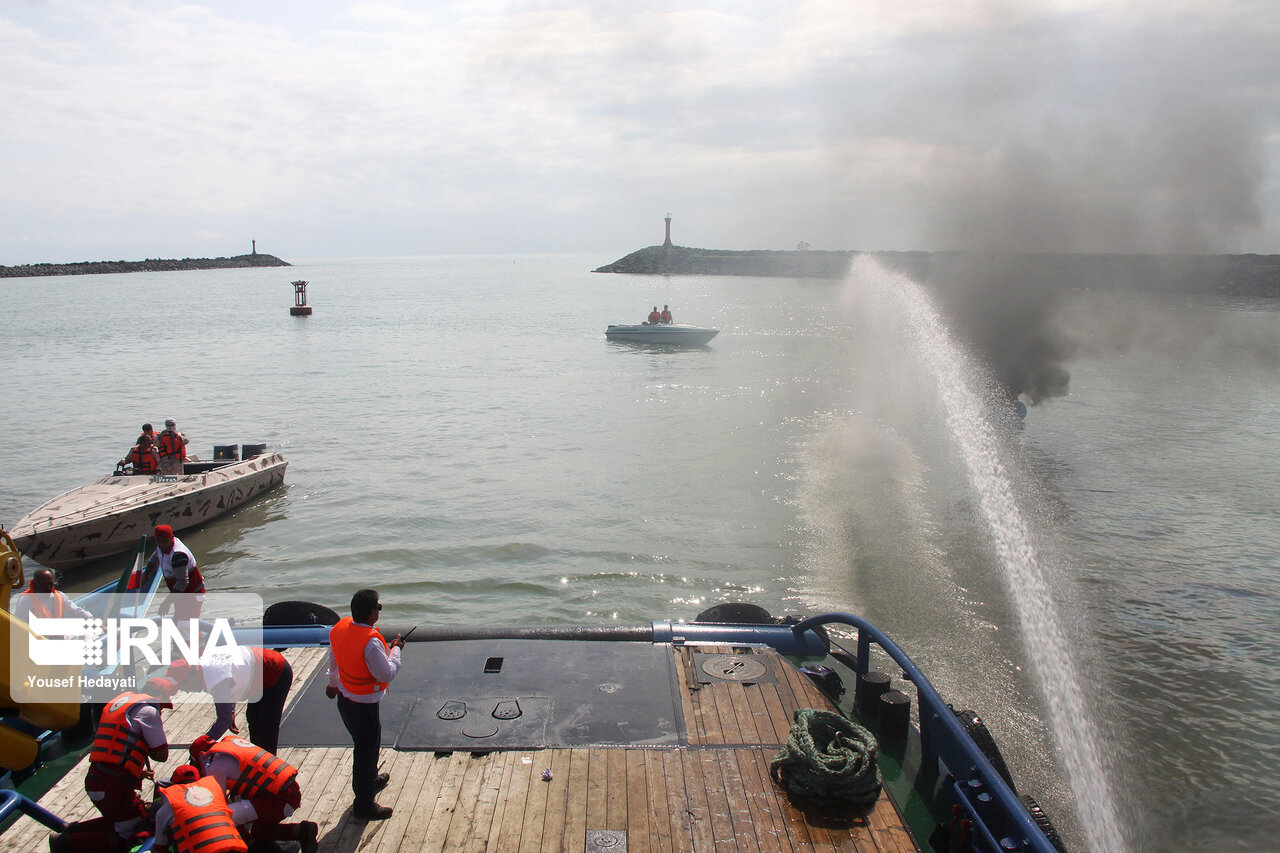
(135,129)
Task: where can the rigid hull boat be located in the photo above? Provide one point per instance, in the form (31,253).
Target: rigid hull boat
(671,334)
(657,736)
(107,517)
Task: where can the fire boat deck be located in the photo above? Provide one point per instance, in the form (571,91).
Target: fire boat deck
(699,784)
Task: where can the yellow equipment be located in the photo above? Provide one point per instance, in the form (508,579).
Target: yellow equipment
(19,749)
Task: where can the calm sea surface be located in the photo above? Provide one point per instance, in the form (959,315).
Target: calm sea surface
(461,436)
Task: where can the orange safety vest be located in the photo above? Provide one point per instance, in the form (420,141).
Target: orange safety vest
(348,640)
(666,316)
(37,604)
(142,461)
(171,444)
(261,772)
(116,743)
(202,819)
(654,317)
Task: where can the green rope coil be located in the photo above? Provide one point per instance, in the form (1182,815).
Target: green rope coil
(829,759)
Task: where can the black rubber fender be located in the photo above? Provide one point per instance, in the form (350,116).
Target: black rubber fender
(1042,821)
(299,613)
(982,737)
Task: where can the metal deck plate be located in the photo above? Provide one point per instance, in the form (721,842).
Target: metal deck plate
(522,694)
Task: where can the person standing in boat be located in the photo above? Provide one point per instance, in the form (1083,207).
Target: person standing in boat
(666,315)
(41,598)
(142,457)
(178,565)
(173,448)
(655,317)
(149,431)
(361,666)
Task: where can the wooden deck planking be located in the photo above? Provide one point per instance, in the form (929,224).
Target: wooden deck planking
(715,795)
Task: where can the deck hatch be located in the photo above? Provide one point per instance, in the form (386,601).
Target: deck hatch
(606,841)
(736,668)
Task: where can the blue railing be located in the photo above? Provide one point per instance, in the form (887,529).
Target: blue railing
(11,801)
(1000,820)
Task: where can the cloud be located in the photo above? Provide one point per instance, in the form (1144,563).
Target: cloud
(845,124)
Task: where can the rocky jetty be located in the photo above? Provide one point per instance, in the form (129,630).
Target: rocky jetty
(682,260)
(1228,275)
(149,265)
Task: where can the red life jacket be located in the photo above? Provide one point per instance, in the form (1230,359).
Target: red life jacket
(655,317)
(116,743)
(202,819)
(666,316)
(348,640)
(142,460)
(261,772)
(171,444)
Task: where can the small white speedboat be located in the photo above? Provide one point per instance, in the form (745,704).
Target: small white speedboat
(108,517)
(671,334)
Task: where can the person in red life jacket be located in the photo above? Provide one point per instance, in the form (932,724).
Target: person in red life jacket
(41,598)
(130,736)
(230,677)
(142,457)
(149,431)
(267,782)
(173,448)
(195,817)
(666,315)
(654,317)
(178,565)
(361,666)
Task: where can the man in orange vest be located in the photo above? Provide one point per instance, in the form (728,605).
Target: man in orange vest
(654,317)
(666,314)
(44,601)
(142,457)
(173,448)
(265,781)
(130,735)
(361,666)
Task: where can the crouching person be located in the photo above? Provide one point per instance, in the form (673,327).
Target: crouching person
(195,817)
(130,736)
(262,780)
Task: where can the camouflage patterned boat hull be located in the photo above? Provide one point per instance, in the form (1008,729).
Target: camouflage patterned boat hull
(107,517)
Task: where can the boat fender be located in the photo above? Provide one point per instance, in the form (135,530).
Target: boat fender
(1042,821)
(299,613)
(981,736)
(736,613)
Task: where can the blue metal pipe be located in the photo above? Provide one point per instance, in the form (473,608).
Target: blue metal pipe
(11,801)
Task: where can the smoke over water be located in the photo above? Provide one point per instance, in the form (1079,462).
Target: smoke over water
(1016,218)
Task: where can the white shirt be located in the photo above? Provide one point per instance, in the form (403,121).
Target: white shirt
(24,601)
(176,577)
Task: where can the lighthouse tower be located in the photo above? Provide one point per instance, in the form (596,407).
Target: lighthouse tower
(667,242)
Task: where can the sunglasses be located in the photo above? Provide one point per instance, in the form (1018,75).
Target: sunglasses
(379,605)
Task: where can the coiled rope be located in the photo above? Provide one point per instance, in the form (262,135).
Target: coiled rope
(829,759)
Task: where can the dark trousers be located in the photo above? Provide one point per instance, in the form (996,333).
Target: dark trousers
(361,720)
(264,715)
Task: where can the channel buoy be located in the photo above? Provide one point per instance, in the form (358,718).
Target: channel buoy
(300,307)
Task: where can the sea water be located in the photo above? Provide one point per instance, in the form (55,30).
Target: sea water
(461,436)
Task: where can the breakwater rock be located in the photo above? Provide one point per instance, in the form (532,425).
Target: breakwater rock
(1228,275)
(682,260)
(149,265)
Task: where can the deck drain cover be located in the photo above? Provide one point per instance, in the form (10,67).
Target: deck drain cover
(733,668)
(606,841)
